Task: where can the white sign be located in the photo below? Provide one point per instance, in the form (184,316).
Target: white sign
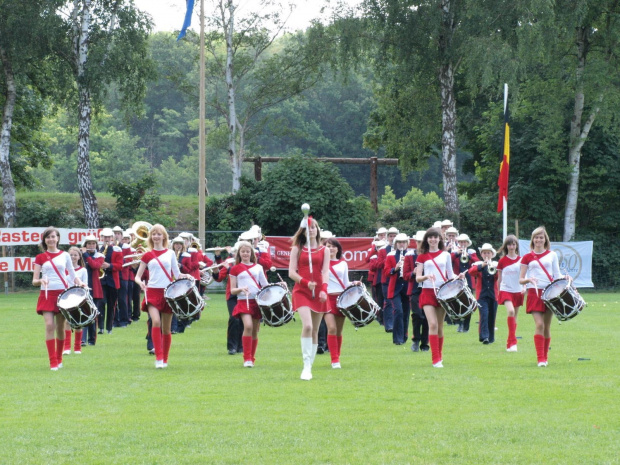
(19,264)
(32,236)
(575,259)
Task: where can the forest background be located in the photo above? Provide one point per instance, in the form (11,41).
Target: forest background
(386,78)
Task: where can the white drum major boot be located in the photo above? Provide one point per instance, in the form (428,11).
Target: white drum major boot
(306,352)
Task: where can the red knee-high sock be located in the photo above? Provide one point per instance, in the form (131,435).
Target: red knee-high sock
(512,332)
(539,342)
(77,343)
(166,342)
(433,341)
(247,348)
(60,346)
(157,343)
(546,347)
(254,346)
(339,345)
(51,352)
(440,340)
(67,339)
(332,345)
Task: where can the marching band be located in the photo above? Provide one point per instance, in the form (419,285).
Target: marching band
(95,287)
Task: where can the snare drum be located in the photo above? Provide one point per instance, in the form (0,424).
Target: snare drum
(275,306)
(356,304)
(562,299)
(456,299)
(183,298)
(77,306)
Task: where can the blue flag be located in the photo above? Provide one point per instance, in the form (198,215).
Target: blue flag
(188,19)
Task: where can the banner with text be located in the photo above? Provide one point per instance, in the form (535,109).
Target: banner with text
(32,236)
(575,259)
(19,264)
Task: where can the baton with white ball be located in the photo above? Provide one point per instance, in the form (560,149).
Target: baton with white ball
(305,208)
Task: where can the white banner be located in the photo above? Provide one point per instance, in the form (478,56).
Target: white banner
(32,236)
(19,264)
(575,259)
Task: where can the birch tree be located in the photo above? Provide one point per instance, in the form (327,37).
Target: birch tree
(245,75)
(107,46)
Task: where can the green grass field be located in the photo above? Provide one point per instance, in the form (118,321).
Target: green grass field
(386,405)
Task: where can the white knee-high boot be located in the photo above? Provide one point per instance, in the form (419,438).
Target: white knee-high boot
(315,347)
(306,352)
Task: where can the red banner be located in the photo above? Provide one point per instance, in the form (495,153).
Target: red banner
(354,250)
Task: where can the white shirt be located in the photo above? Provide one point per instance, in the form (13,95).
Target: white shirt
(342,270)
(549,261)
(242,272)
(444,262)
(511,269)
(63,263)
(157,277)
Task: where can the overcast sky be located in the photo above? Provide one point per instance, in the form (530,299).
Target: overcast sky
(168,15)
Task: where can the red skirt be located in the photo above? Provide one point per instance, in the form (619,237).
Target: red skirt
(515,297)
(428,297)
(333,308)
(249,307)
(51,303)
(302,297)
(534,301)
(156,298)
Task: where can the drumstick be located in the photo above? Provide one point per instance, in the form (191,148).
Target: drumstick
(247,301)
(305,208)
(45,286)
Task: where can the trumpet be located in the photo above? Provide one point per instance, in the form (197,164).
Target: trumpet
(141,230)
(228,261)
(216,249)
(464,256)
(195,244)
(491,267)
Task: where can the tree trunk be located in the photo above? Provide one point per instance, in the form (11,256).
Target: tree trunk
(578,136)
(85,185)
(8,186)
(448,110)
(235,159)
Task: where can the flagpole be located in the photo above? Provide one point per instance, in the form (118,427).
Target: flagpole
(202,143)
(505,203)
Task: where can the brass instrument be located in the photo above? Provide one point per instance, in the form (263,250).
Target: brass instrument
(195,244)
(101,270)
(140,251)
(464,256)
(492,267)
(141,230)
(216,249)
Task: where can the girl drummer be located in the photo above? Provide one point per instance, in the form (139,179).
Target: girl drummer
(246,278)
(310,290)
(163,269)
(433,268)
(80,272)
(538,269)
(54,272)
(338,282)
(510,291)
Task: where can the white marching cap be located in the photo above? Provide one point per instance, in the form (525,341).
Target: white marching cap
(249,235)
(393,230)
(382,230)
(126,235)
(185,235)
(106,232)
(419,236)
(452,230)
(117,229)
(255,227)
(89,238)
(178,239)
(490,248)
(464,237)
(446,223)
(325,234)
(401,237)
(380,244)
(437,224)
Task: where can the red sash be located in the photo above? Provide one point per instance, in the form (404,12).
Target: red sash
(543,267)
(168,275)
(438,269)
(247,270)
(64,283)
(331,268)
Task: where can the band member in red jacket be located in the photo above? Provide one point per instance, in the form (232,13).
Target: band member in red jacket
(388,311)
(110,282)
(462,260)
(397,288)
(418,319)
(486,284)
(93,260)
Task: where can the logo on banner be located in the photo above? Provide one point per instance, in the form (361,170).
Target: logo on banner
(570,259)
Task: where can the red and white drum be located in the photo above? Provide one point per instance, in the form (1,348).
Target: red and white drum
(357,305)
(184,298)
(77,306)
(562,298)
(274,302)
(456,299)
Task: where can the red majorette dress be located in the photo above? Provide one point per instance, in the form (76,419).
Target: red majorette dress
(58,269)
(163,268)
(253,277)
(437,263)
(302,296)
(338,282)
